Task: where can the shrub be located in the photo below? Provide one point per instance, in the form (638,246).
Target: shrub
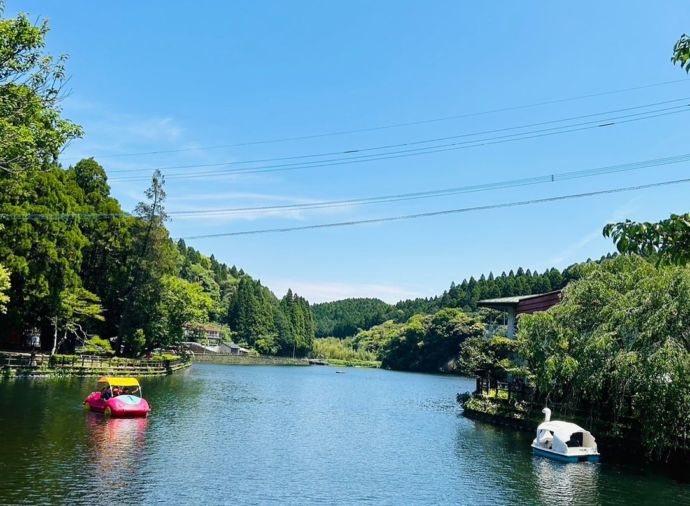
(96,346)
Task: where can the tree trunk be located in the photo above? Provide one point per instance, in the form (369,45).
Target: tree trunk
(55,332)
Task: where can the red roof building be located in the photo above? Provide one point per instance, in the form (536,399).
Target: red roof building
(522,304)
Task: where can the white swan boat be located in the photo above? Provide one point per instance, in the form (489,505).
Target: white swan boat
(564,441)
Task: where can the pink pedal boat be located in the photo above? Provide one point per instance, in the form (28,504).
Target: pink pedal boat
(117,397)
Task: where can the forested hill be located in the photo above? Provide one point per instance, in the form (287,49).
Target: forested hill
(466,294)
(344,318)
(255,317)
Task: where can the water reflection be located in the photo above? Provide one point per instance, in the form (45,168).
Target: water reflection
(236,435)
(563,483)
(115,446)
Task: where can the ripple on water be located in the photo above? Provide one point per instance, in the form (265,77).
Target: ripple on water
(255,435)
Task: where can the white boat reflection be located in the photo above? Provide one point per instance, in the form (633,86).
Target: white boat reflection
(559,483)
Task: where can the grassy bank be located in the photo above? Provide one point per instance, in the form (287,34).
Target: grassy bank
(247,360)
(375,364)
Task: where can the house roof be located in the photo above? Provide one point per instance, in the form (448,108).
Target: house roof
(524,303)
(504,300)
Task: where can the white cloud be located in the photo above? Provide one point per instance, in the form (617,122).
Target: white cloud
(109,132)
(569,253)
(246,201)
(253,196)
(329,291)
(243,216)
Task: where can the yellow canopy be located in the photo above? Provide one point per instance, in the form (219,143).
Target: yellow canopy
(119,381)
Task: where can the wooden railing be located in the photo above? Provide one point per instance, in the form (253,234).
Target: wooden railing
(508,390)
(34,363)
(508,393)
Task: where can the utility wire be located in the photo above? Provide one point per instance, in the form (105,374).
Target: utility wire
(563,176)
(607,122)
(397,125)
(548,178)
(416,142)
(440,213)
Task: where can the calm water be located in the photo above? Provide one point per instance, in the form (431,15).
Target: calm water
(300,435)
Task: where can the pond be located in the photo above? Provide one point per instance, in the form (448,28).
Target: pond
(291,435)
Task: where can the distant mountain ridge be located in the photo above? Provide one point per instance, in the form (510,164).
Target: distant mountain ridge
(344,318)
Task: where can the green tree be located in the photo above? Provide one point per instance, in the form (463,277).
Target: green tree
(296,337)
(667,241)
(4,287)
(493,356)
(250,316)
(43,254)
(74,307)
(106,266)
(181,302)
(430,343)
(32,132)
(681,53)
(153,258)
(618,346)
(134,342)
(346,317)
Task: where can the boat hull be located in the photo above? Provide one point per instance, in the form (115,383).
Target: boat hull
(124,406)
(565,458)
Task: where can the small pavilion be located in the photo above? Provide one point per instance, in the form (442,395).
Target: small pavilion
(522,304)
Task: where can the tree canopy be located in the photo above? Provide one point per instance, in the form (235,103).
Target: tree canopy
(681,53)
(667,241)
(426,343)
(619,346)
(344,318)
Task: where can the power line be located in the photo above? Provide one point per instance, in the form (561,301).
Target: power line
(427,150)
(548,178)
(396,125)
(350,151)
(440,213)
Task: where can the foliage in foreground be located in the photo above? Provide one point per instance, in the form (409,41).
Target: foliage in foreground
(681,53)
(618,346)
(667,241)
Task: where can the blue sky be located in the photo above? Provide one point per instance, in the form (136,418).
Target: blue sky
(158,76)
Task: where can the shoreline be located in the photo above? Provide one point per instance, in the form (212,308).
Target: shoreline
(278,361)
(26,365)
(620,448)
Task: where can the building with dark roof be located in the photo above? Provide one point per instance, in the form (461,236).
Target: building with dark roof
(522,304)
